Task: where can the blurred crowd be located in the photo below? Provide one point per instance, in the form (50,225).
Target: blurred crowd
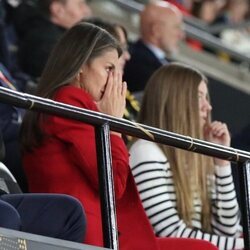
(226,15)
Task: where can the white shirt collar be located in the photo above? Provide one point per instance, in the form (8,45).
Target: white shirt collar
(159,53)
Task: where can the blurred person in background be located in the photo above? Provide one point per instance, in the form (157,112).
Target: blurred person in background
(9,46)
(10,122)
(52,19)
(206,11)
(235,13)
(161,29)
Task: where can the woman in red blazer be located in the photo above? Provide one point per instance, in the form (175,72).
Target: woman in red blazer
(59,154)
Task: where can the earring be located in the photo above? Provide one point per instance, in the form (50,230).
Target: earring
(79,75)
(78,78)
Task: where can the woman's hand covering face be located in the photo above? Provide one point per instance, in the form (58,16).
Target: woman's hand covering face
(113,100)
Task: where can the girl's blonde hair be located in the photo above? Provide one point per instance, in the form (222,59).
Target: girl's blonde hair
(171,103)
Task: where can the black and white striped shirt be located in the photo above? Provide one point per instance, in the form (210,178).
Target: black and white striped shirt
(153,177)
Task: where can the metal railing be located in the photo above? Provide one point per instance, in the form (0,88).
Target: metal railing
(103,124)
(214,28)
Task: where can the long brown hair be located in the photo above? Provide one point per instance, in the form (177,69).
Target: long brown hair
(170,102)
(78,46)
(111,27)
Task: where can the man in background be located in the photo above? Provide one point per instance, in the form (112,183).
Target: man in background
(161,29)
(41,31)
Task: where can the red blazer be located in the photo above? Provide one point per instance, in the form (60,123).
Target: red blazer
(66,163)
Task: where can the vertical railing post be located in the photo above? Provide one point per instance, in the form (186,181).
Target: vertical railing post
(244,179)
(106,186)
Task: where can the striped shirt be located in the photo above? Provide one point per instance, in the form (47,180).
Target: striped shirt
(154,181)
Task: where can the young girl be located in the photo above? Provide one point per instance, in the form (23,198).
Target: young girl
(185,194)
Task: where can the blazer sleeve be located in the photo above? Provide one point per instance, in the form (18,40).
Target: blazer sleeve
(80,138)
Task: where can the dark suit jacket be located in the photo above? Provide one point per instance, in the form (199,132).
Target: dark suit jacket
(2,148)
(37,45)
(10,121)
(9,115)
(140,67)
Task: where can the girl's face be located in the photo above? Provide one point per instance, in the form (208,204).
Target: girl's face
(204,105)
(94,76)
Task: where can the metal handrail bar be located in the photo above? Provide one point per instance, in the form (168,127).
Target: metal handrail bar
(214,43)
(217,28)
(105,123)
(32,102)
(130,5)
(214,28)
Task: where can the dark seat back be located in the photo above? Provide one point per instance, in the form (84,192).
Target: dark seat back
(2,148)
(8,183)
